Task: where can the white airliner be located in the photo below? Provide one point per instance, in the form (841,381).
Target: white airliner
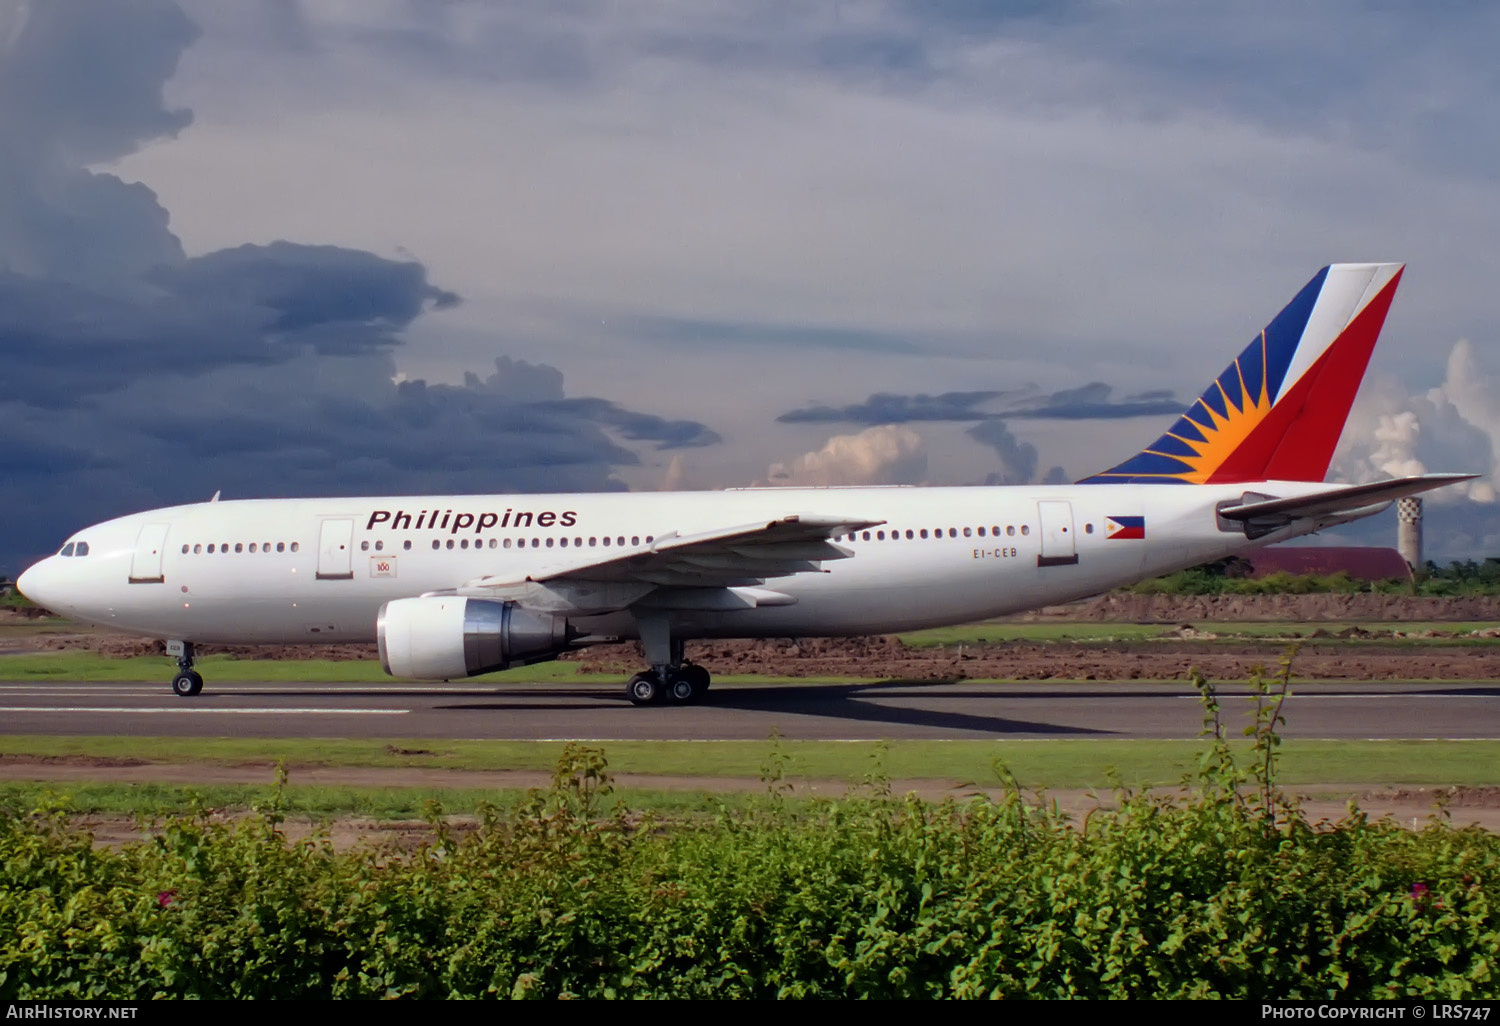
(456,585)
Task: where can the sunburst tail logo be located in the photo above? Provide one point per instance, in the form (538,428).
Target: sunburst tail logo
(1276,412)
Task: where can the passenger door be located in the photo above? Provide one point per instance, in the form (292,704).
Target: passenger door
(335,551)
(1058,548)
(150,544)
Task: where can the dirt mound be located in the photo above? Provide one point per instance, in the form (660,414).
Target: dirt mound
(1180,608)
(885,658)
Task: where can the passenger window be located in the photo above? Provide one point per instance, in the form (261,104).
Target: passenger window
(1025,529)
(265,546)
(252,546)
(364,546)
(184,550)
(295,546)
(1088,528)
(505,544)
(280,547)
(239,546)
(406,545)
(197,550)
(593,542)
(866,535)
(968,533)
(436,543)
(210,548)
(450,543)
(634,540)
(463,544)
(562,541)
(649,539)
(578,543)
(549,542)
(621,541)
(224,549)
(923,532)
(380,545)
(909,534)
(952,532)
(981,532)
(1011,530)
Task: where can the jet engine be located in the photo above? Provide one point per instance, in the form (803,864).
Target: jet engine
(442,637)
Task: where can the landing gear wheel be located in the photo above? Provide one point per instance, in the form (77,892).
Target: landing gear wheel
(681,688)
(644,688)
(187,684)
(698,675)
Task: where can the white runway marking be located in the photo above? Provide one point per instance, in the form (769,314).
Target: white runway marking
(147,711)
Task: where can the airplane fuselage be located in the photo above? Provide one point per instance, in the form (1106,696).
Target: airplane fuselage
(315,571)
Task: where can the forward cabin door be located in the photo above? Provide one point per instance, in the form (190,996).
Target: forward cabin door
(150,544)
(1057,534)
(336,551)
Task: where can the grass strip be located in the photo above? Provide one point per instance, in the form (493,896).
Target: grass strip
(1035,762)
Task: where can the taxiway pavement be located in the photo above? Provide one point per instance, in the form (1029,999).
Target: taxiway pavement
(801,711)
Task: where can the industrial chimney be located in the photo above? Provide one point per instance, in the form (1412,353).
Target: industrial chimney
(1409,531)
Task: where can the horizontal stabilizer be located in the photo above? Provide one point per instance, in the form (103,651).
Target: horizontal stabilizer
(1337,501)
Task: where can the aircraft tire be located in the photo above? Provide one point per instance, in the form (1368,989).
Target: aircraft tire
(699,676)
(644,688)
(682,688)
(187,684)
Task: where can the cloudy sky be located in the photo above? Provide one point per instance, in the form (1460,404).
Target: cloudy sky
(332,247)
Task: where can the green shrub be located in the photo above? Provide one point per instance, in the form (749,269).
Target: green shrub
(1224,890)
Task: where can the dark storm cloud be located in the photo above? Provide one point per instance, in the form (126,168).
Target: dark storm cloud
(134,376)
(1017,458)
(62,343)
(889,408)
(1091,402)
(1088,402)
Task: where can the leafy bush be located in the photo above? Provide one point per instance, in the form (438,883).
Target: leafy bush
(1226,892)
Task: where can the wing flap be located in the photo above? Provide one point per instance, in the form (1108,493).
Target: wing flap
(1338,501)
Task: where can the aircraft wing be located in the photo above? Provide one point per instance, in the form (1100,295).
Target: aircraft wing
(731,557)
(1336,502)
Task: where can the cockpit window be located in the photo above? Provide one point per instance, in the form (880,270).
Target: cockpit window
(82,550)
(67,550)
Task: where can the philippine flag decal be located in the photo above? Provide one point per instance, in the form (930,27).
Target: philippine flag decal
(1121,528)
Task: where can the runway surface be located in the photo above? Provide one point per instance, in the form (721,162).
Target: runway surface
(811,711)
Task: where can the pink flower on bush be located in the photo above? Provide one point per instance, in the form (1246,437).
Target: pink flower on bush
(165,898)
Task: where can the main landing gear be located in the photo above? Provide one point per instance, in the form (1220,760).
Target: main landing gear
(680,685)
(670,678)
(188,681)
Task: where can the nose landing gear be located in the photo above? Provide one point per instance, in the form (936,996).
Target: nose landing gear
(188,681)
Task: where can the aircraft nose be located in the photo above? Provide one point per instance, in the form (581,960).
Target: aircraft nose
(31,584)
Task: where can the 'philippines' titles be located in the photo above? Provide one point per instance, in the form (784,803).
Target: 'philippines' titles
(447,520)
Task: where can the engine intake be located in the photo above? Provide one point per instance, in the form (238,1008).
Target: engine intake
(441,637)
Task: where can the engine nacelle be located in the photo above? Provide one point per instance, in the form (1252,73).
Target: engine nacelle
(442,637)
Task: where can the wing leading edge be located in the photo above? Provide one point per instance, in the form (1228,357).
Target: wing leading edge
(733,557)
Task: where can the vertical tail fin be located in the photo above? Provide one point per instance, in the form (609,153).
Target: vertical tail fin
(1277,411)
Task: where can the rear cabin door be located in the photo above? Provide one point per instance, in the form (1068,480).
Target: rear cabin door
(145,566)
(335,551)
(1057,534)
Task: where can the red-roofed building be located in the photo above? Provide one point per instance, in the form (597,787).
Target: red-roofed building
(1363,563)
